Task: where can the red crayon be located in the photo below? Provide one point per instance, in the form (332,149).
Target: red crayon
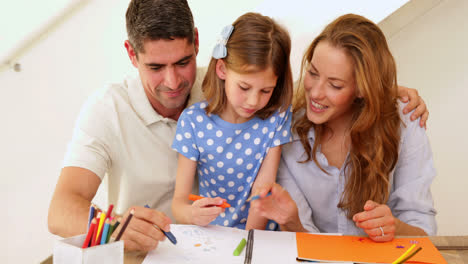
(193,197)
(91,230)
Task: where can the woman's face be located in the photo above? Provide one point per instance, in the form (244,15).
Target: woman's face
(330,87)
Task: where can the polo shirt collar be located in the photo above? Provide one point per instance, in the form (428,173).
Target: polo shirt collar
(140,102)
(143,107)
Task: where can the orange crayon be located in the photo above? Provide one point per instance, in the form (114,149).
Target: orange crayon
(193,197)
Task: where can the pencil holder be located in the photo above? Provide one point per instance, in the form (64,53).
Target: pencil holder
(68,250)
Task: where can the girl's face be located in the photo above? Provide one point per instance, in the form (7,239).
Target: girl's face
(329,84)
(246,93)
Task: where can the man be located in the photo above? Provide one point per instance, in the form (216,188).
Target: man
(126,130)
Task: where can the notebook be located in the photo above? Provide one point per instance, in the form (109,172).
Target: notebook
(316,247)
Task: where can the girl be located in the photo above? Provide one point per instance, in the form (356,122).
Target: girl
(233,139)
(356,165)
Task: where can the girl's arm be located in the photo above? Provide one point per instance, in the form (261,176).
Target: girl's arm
(266,176)
(201,212)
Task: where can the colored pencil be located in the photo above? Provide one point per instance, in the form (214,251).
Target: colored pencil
(93,238)
(255,197)
(111,229)
(104,232)
(109,211)
(193,197)
(117,223)
(410,255)
(169,235)
(122,230)
(240,247)
(100,226)
(91,214)
(404,255)
(91,229)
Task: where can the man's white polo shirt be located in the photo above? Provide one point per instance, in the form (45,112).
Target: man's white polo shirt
(119,133)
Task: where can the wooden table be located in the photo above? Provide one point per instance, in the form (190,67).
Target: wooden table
(453,248)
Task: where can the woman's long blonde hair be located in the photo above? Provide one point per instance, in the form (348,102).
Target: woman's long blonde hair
(375,128)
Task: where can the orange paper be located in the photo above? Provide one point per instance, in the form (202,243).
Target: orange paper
(363,250)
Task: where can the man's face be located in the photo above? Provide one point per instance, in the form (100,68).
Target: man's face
(167,70)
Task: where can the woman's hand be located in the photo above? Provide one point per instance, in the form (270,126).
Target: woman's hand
(377,221)
(205,210)
(279,207)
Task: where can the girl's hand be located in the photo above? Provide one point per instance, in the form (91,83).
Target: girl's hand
(377,221)
(205,210)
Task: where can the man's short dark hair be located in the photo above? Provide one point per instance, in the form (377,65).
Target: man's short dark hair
(158,19)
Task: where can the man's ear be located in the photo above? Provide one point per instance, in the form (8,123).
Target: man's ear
(221,69)
(131,53)
(196,40)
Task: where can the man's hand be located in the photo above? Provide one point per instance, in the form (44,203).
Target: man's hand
(415,102)
(141,234)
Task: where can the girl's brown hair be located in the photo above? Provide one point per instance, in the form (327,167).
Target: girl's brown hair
(375,128)
(260,42)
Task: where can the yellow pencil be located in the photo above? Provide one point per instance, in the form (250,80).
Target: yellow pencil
(404,255)
(410,255)
(101,223)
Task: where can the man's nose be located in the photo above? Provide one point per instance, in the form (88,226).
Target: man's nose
(171,78)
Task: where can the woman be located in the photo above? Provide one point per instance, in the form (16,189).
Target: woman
(356,165)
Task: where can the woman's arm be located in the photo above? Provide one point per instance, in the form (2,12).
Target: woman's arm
(410,208)
(202,211)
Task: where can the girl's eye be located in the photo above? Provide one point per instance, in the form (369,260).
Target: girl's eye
(243,88)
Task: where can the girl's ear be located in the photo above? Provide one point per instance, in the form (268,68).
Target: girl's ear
(221,69)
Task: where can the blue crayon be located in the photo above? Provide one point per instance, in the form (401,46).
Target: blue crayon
(169,235)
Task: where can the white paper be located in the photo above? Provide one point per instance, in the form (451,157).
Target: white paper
(274,247)
(195,244)
(216,244)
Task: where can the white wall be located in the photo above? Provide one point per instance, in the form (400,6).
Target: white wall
(432,56)
(39,105)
